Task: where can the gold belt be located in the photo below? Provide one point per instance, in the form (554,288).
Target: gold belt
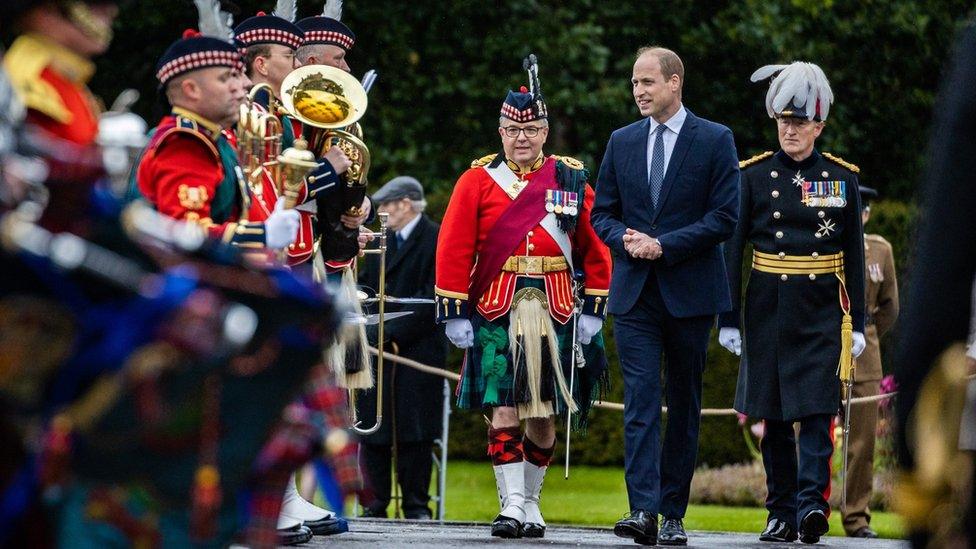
(535,264)
(812,264)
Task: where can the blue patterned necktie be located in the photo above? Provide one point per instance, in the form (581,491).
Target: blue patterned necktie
(657,164)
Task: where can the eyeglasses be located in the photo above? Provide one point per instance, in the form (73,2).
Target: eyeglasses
(513,131)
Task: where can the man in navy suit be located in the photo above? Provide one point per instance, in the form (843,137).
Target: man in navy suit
(666,198)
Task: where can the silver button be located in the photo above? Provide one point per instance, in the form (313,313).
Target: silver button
(818,235)
(782,255)
(783,277)
(777,215)
(823,173)
(779,234)
(815,255)
(813,276)
(774,174)
(821,214)
(775,194)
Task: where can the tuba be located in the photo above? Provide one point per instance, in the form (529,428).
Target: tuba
(329,102)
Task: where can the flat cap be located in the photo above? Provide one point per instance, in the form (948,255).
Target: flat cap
(398,188)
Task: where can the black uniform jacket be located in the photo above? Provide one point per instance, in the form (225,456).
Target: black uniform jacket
(792,323)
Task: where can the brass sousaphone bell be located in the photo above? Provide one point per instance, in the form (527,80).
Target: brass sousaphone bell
(329,102)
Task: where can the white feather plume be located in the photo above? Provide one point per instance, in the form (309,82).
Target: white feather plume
(799,84)
(333,9)
(214,22)
(286,9)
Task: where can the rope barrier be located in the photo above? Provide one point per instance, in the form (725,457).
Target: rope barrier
(600,404)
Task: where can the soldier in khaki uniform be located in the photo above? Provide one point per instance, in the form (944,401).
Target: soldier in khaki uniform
(881,306)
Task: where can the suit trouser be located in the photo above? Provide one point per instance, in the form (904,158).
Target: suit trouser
(659,479)
(415,462)
(797,485)
(860,457)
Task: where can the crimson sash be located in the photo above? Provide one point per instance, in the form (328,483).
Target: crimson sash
(521,216)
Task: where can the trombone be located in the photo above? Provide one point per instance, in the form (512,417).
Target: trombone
(381,309)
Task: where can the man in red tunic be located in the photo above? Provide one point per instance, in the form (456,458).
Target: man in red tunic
(49,65)
(516,229)
(189,169)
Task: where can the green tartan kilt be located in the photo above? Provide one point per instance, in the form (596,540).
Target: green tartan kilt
(473,391)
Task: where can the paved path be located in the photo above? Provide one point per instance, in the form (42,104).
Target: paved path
(416,534)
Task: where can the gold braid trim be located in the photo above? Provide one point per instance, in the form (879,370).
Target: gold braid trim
(570,162)
(842,162)
(754,159)
(483,161)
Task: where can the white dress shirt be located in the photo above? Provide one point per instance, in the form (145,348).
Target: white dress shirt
(404,233)
(674,125)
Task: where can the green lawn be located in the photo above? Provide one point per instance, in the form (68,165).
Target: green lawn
(596,496)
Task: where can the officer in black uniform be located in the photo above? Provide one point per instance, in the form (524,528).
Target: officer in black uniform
(804,305)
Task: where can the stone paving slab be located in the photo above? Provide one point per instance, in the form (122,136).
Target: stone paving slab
(420,534)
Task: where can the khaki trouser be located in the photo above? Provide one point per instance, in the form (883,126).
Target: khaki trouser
(860,458)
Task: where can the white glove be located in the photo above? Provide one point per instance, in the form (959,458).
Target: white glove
(731,339)
(586,327)
(859,344)
(281,227)
(460,332)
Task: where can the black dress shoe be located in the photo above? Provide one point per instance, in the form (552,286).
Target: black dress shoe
(813,526)
(864,532)
(639,526)
(533,530)
(505,527)
(672,532)
(295,535)
(327,526)
(778,530)
(373,513)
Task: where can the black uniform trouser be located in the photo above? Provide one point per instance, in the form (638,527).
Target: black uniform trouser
(415,462)
(797,486)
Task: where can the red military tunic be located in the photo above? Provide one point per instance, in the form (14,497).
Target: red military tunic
(182,171)
(476,204)
(62,114)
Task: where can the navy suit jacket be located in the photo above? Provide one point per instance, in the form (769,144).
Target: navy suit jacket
(698,210)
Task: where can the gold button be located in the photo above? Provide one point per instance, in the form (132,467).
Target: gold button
(774,174)
(783,277)
(775,194)
(815,255)
(494,302)
(782,255)
(599,299)
(531,247)
(531,234)
(777,215)
(446,301)
(821,214)
(823,173)
(813,276)
(301,245)
(779,234)
(291,246)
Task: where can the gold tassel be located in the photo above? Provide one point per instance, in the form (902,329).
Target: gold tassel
(351,335)
(528,325)
(846,367)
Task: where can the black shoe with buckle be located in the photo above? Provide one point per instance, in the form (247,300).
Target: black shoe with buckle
(639,526)
(672,532)
(506,527)
(778,530)
(813,526)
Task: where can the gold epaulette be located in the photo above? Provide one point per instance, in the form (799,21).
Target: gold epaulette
(483,161)
(842,162)
(569,161)
(24,62)
(754,159)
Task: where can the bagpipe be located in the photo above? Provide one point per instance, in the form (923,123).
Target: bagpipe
(146,353)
